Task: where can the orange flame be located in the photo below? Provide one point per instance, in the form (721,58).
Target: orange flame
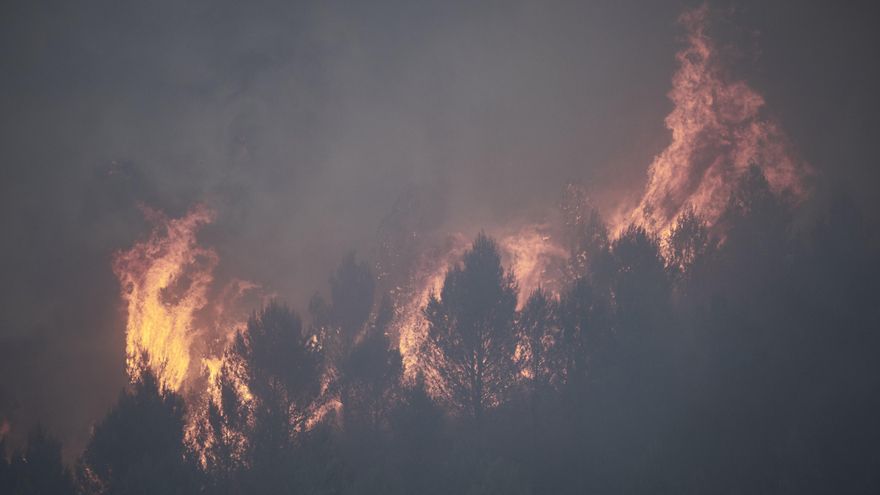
(409,322)
(165,280)
(718,133)
(530,253)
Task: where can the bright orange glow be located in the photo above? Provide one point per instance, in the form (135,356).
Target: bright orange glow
(164,281)
(529,252)
(409,321)
(718,132)
(180,321)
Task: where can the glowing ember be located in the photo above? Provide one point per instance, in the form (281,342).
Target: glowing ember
(718,132)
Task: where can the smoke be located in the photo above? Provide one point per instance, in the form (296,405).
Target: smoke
(299,125)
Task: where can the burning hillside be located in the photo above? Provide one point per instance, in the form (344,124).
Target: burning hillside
(707,330)
(718,133)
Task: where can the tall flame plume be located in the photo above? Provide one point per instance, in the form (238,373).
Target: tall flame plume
(165,280)
(718,133)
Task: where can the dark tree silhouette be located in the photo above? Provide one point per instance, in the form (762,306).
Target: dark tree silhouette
(641,285)
(352,290)
(539,335)
(365,366)
(369,386)
(36,470)
(139,447)
(471,325)
(370,372)
(417,430)
(580,332)
(688,245)
(225,434)
(739,358)
(587,236)
(283,373)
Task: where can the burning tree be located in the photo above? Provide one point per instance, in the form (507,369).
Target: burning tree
(472,327)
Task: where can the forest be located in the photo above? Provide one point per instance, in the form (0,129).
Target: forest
(734,358)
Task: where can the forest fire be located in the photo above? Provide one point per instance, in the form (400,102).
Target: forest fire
(502,329)
(718,133)
(536,259)
(409,324)
(164,282)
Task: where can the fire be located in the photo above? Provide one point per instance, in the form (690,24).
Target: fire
(177,317)
(535,260)
(181,320)
(410,323)
(718,133)
(532,255)
(165,280)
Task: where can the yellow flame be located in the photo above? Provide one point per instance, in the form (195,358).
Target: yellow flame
(165,280)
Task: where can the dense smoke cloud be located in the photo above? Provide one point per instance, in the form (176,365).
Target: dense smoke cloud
(301,125)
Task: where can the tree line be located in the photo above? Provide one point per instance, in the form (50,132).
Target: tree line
(736,358)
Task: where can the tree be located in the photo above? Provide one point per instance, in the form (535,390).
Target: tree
(586,235)
(370,370)
(352,290)
(283,374)
(224,431)
(37,470)
(363,363)
(139,446)
(538,327)
(578,332)
(688,245)
(471,326)
(420,446)
(641,284)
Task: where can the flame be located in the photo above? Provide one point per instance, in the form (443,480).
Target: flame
(718,133)
(529,252)
(165,280)
(321,411)
(410,322)
(535,260)
(180,321)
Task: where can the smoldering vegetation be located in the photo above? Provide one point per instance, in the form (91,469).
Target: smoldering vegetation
(739,359)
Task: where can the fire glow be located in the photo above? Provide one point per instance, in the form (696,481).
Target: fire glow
(718,133)
(164,282)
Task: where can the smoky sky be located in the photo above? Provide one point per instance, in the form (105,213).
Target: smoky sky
(301,123)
